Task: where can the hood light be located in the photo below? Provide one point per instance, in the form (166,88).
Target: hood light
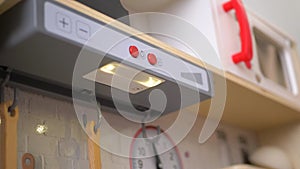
(109,68)
(115,68)
(151,82)
(140,82)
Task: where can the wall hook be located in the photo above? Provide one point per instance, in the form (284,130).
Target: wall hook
(99,117)
(15,101)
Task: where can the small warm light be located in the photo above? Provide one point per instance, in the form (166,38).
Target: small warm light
(151,82)
(41,129)
(109,68)
(0,121)
(127,78)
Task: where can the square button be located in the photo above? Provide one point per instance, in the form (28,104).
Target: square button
(63,23)
(83,30)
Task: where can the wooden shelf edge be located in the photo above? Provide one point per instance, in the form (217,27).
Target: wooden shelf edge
(263,92)
(250,110)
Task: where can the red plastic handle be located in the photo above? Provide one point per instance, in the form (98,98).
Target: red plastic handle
(246,53)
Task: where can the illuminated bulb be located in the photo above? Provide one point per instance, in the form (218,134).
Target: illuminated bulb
(108,68)
(0,121)
(151,82)
(41,129)
(126,75)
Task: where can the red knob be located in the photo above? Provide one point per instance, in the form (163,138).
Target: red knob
(134,51)
(152,59)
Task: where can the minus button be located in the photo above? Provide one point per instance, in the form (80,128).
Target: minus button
(83,30)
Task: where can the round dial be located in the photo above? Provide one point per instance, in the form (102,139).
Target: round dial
(154,152)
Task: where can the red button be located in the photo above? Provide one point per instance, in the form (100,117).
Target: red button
(152,59)
(134,51)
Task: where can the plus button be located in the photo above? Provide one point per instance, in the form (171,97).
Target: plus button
(63,23)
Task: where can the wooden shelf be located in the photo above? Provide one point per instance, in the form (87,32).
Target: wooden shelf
(7,4)
(254,110)
(247,105)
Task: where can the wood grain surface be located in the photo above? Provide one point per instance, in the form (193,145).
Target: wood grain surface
(94,151)
(8,136)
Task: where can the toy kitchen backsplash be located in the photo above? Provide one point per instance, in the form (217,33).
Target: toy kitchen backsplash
(64,143)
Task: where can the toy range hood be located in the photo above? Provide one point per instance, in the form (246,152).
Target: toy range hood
(41,41)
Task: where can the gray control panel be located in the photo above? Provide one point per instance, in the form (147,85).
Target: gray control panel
(75,27)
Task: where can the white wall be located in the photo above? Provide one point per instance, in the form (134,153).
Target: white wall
(286,138)
(284,14)
(64,146)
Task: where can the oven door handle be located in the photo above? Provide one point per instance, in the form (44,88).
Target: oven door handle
(246,53)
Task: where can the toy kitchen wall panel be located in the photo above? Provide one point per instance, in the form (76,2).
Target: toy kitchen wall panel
(63,145)
(279,19)
(254,50)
